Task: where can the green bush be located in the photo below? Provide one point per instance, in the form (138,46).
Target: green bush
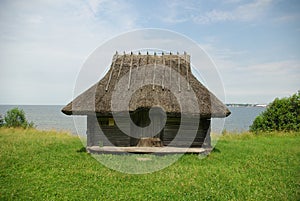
(1,121)
(281,115)
(16,118)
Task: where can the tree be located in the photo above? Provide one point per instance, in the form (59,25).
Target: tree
(16,118)
(281,115)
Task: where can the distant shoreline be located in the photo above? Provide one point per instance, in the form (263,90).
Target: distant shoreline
(245,105)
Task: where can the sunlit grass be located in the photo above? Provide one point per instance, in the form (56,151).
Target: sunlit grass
(46,165)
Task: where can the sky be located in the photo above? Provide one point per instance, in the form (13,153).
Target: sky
(255,44)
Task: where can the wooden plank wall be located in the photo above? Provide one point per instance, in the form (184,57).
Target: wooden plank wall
(112,135)
(172,127)
(109,135)
(93,134)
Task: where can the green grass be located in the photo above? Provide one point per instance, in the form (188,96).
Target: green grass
(40,165)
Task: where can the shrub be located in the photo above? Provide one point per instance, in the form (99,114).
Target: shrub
(281,115)
(1,121)
(16,118)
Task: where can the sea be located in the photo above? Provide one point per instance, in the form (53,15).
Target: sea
(50,117)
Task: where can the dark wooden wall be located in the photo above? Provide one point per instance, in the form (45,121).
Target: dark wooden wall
(189,136)
(108,135)
(111,135)
(93,133)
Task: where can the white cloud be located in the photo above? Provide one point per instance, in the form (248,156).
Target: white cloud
(180,12)
(44,43)
(260,82)
(283,68)
(118,13)
(288,18)
(173,11)
(213,16)
(35,19)
(252,10)
(247,80)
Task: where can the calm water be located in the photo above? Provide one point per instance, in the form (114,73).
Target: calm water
(48,117)
(241,118)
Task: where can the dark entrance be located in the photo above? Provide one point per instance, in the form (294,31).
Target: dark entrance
(141,118)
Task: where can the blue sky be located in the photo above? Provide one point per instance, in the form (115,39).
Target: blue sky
(43,44)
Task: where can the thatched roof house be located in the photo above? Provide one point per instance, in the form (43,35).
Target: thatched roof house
(165,81)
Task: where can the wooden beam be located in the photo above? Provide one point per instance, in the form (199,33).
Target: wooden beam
(187,70)
(163,78)
(129,77)
(153,79)
(178,71)
(154,150)
(121,65)
(111,71)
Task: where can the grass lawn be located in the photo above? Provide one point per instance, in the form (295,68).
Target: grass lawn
(40,165)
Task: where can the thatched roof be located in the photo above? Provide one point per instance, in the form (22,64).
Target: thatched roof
(152,80)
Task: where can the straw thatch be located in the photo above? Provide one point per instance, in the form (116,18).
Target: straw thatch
(97,99)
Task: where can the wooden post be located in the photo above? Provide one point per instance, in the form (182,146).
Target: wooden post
(154,71)
(131,59)
(170,69)
(163,62)
(178,71)
(111,70)
(121,65)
